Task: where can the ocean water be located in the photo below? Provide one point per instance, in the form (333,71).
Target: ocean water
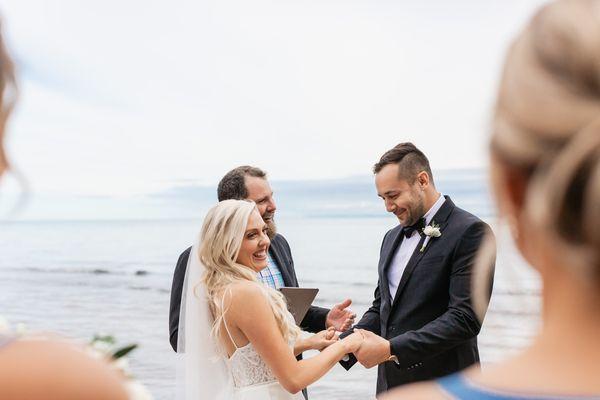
(79,278)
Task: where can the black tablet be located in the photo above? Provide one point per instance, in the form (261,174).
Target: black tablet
(299,300)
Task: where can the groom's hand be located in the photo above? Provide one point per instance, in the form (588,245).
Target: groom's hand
(340,316)
(373,351)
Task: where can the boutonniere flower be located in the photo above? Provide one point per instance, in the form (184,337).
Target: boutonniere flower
(430,231)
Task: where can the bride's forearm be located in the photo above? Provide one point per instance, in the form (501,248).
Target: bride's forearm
(301,345)
(310,370)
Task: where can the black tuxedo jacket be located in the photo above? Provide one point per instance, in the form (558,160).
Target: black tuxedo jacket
(430,322)
(314,321)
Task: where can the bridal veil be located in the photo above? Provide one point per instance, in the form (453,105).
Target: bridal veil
(202,372)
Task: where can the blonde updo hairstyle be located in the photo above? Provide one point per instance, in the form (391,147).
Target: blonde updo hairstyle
(546,131)
(221,239)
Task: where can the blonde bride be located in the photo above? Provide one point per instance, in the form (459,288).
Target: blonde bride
(239,340)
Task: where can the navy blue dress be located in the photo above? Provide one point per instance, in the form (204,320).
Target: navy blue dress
(457,386)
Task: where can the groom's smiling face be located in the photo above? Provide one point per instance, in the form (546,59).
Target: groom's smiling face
(403,199)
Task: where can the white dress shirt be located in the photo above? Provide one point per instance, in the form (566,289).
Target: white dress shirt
(407,248)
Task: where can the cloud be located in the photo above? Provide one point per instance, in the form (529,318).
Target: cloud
(121,98)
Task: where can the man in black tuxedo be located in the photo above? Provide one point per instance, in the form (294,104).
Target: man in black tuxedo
(421,324)
(251,183)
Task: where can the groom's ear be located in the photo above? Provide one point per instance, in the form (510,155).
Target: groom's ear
(423,179)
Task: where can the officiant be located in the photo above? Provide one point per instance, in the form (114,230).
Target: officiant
(250,183)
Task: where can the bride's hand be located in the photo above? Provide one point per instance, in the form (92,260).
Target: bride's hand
(323,339)
(353,342)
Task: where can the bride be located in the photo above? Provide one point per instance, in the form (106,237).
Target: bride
(239,341)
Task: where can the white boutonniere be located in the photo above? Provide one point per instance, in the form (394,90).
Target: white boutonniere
(431,231)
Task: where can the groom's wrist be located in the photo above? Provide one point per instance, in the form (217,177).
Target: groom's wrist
(391,357)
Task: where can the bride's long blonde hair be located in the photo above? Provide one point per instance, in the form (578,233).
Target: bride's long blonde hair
(220,242)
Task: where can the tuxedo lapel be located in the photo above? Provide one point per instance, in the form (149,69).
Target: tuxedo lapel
(288,279)
(440,218)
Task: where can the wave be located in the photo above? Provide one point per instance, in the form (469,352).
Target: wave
(79,270)
(321,282)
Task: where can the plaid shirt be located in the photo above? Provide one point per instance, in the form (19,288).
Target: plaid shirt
(271,275)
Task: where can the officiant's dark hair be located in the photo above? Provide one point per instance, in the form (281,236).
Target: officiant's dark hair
(233,185)
(410,159)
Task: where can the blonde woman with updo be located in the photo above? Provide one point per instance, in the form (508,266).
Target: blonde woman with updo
(239,340)
(545,156)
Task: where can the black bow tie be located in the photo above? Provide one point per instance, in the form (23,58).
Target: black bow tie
(417,226)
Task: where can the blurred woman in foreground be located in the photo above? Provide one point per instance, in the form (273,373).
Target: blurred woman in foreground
(545,158)
(32,369)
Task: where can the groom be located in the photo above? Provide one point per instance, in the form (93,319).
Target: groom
(421,324)
(251,183)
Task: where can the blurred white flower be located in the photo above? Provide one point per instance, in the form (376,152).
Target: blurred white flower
(122,364)
(137,391)
(105,347)
(92,352)
(4,326)
(21,329)
(102,347)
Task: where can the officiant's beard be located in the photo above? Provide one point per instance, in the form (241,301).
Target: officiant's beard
(271,229)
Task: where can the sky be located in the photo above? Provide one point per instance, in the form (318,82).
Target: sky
(129,98)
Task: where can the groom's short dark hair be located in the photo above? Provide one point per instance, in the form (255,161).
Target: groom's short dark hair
(233,185)
(409,158)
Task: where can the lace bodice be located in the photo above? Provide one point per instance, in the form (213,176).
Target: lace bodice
(248,368)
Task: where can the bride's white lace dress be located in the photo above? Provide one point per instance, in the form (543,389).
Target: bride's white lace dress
(204,372)
(252,378)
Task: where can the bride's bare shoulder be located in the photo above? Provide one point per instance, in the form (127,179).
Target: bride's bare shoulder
(244,288)
(416,391)
(246,301)
(245,293)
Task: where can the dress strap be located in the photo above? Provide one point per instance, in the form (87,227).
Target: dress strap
(224,321)
(254,362)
